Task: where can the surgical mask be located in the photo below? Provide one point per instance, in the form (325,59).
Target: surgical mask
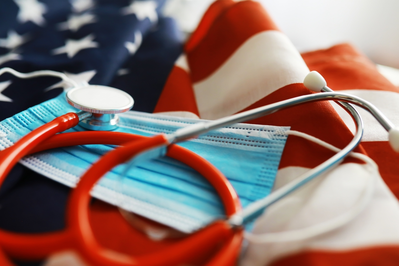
(161,189)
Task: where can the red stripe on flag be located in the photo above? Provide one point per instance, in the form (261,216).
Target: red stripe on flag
(318,119)
(388,163)
(235,25)
(381,256)
(178,94)
(213,12)
(345,68)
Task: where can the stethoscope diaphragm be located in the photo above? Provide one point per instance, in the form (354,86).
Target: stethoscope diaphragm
(103,102)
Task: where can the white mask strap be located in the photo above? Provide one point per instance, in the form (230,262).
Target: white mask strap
(39,74)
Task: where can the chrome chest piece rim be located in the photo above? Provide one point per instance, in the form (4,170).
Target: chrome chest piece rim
(104,103)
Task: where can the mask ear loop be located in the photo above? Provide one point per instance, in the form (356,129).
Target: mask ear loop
(334,223)
(39,73)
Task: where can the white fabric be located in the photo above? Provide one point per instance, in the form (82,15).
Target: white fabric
(182,63)
(369,25)
(392,74)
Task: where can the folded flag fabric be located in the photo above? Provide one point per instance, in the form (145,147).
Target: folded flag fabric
(236,59)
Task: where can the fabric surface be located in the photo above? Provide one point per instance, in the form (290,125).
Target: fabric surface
(236,59)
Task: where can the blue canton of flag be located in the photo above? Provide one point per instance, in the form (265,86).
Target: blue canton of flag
(90,41)
(124,44)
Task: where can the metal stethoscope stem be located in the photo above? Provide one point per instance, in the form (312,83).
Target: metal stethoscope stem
(201,128)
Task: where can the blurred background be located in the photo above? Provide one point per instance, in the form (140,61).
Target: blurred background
(370,25)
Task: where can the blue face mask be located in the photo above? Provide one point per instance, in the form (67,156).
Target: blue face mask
(161,189)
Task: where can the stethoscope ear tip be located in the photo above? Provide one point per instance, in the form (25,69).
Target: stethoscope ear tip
(314,81)
(394,138)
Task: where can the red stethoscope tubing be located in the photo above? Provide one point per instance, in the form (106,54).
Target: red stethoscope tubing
(78,234)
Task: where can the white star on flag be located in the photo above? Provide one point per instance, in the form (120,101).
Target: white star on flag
(3,86)
(82,78)
(123,71)
(133,46)
(142,10)
(72,47)
(75,22)
(9,57)
(13,40)
(81,5)
(31,10)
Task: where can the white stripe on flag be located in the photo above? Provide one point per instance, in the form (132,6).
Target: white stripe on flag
(264,63)
(182,63)
(392,74)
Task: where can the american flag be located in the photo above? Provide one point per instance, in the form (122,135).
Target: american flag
(235,60)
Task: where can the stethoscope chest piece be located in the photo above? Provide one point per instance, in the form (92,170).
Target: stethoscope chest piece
(104,103)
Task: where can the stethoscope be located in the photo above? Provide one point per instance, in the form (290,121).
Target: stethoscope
(100,106)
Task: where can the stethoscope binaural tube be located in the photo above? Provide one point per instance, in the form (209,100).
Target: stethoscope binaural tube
(201,128)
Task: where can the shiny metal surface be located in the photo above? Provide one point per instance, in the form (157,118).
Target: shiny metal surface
(195,130)
(104,122)
(102,103)
(98,99)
